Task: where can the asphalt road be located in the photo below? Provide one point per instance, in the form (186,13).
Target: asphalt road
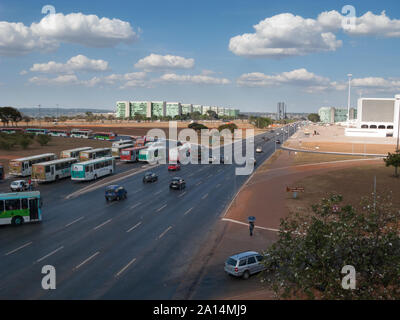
(138,248)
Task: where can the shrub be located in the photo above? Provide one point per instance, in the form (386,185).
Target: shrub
(43,139)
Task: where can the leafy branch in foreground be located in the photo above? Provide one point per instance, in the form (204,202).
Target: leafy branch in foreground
(307,259)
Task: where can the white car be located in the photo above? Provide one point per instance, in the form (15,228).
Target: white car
(259,150)
(19,186)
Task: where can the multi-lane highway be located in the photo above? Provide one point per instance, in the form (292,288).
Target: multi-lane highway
(139,248)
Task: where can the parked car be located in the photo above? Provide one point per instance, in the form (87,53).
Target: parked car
(174,167)
(150,177)
(244,264)
(115,193)
(177,184)
(19,186)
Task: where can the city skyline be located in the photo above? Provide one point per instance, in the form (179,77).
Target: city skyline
(247,58)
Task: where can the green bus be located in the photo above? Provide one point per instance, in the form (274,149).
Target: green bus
(19,208)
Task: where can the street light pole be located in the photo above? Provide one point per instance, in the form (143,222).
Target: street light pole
(40,120)
(349,100)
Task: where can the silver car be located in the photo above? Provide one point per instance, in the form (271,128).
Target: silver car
(244,264)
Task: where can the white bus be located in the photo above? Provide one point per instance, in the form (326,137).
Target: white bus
(93,169)
(59,133)
(119,143)
(152,154)
(81,133)
(74,153)
(95,154)
(23,167)
(116,151)
(52,170)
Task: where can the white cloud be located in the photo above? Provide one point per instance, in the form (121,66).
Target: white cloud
(197,79)
(18,39)
(60,80)
(156,62)
(88,30)
(286,35)
(377,84)
(46,35)
(77,63)
(121,80)
(298,77)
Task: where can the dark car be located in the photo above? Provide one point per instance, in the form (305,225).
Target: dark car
(177,183)
(278,142)
(150,177)
(115,193)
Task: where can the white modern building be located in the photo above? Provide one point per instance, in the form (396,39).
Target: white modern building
(376,117)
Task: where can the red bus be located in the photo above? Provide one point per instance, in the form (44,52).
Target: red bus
(131,154)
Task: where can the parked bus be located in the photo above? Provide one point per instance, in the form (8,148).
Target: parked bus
(17,208)
(95,154)
(59,133)
(74,153)
(121,143)
(52,170)
(104,136)
(116,151)
(131,154)
(12,130)
(92,169)
(81,133)
(23,167)
(152,154)
(37,131)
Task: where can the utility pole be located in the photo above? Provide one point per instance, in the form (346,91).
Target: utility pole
(349,100)
(40,119)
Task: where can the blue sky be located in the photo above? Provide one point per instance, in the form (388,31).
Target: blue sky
(200,52)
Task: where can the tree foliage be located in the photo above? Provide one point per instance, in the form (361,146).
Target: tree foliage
(10,114)
(197,126)
(311,251)
(393,160)
(43,139)
(230,126)
(314,117)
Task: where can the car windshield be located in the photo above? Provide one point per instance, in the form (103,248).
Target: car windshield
(231,262)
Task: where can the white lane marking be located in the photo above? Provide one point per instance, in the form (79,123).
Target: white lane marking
(126,267)
(87,260)
(75,221)
(134,227)
(104,223)
(50,254)
(137,191)
(136,205)
(182,194)
(19,248)
(164,233)
(187,212)
(246,224)
(199,183)
(211,175)
(191,175)
(157,193)
(205,196)
(163,207)
(218,185)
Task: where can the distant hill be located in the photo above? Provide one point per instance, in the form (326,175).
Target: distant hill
(53,112)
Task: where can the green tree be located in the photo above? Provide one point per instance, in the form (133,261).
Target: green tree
(231,126)
(24,141)
(212,115)
(27,119)
(314,117)
(197,126)
(43,139)
(10,114)
(312,249)
(393,160)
